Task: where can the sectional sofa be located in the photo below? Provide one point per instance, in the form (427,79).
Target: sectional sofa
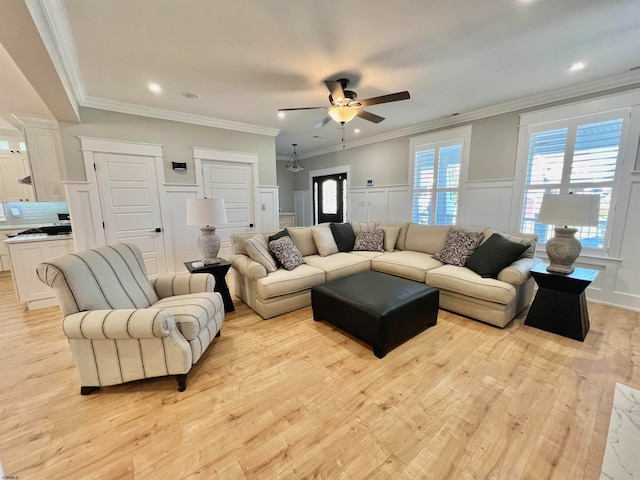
(409,250)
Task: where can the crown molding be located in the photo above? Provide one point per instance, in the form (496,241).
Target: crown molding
(600,85)
(174,115)
(36,121)
(50,19)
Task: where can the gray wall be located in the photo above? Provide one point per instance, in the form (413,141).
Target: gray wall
(177,139)
(286,183)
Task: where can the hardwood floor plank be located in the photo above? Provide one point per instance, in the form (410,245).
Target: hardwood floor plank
(293,398)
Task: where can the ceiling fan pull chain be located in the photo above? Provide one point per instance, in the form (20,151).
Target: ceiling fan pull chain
(343,145)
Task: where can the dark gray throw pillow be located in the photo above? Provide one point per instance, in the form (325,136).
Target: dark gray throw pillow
(343,235)
(494,255)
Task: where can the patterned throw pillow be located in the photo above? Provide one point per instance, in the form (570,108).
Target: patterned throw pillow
(370,241)
(458,246)
(286,252)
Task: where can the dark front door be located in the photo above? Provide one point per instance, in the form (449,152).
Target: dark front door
(329,199)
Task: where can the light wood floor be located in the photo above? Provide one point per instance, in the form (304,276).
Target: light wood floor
(292,398)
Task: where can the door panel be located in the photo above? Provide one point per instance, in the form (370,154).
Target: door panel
(131,205)
(329,197)
(234,183)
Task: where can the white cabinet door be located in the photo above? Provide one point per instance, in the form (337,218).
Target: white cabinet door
(45,151)
(5,260)
(25,257)
(12,168)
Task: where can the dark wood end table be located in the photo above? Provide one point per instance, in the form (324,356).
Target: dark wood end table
(219,271)
(560,306)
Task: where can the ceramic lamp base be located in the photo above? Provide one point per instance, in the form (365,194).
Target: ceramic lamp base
(209,245)
(563,249)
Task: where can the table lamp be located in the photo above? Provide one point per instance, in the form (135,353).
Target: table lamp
(207,213)
(562,210)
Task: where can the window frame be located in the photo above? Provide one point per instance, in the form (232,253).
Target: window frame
(445,138)
(572,116)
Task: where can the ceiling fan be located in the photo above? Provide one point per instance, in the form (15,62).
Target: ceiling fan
(345,105)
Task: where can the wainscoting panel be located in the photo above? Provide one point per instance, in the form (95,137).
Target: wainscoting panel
(86,217)
(384,204)
(268,211)
(303,205)
(627,279)
(489,204)
(182,238)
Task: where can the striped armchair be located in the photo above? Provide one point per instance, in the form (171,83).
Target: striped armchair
(123,326)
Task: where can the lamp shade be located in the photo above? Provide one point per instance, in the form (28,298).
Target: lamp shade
(577,210)
(342,114)
(206,211)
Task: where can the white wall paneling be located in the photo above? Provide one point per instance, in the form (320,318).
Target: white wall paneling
(86,215)
(268,210)
(182,238)
(303,204)
(489,203)
(384,204)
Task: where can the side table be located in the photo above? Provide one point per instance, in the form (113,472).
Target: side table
(219,271)
(560,306)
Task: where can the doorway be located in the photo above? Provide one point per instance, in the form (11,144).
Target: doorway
(330,198)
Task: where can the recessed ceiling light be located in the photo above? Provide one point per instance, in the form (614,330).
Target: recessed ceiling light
(281,114)
(356,130)
(190,95)
(577,66)
(155,88)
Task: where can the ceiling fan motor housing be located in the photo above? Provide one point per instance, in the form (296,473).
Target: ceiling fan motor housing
(349,95)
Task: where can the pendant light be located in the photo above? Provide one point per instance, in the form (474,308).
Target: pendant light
(294,164)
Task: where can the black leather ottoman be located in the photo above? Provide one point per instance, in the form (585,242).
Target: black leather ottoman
(379,309)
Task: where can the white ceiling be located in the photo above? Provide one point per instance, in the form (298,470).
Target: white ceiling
(248,58)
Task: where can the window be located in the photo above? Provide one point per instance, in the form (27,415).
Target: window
(436,175)
(576,155)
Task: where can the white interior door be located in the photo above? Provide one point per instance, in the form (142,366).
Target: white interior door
(130,204)
(234,183)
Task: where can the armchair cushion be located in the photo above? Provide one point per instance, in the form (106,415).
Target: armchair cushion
(118,324)
(193,313)
(183,284)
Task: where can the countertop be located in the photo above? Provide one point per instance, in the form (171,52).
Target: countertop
(38,237)
(22,227)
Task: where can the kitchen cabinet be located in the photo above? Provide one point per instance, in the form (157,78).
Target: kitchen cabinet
(45,154)
(13,167)
(26,252)
(5,260)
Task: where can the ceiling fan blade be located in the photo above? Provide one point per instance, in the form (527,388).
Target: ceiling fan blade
(369,116)
(392,97)
(336,90)
(323,122)
(300,108)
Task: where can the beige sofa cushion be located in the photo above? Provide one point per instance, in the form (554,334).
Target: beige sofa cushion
(467,282)
(406,264)
(282,282)
(339,265)
(258,250)
(303,238)
(390,237)
(363,227)
(238,241)
(325,243)
(426,238)
(402,235)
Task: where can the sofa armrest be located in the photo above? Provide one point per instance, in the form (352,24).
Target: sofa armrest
(183,284)
(122,324)
(247,267)
(519,271)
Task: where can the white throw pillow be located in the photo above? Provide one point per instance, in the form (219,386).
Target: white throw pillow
(258,250)
(325,243)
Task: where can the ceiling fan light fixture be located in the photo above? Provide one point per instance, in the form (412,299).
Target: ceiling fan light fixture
(294,164)
(342,114)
